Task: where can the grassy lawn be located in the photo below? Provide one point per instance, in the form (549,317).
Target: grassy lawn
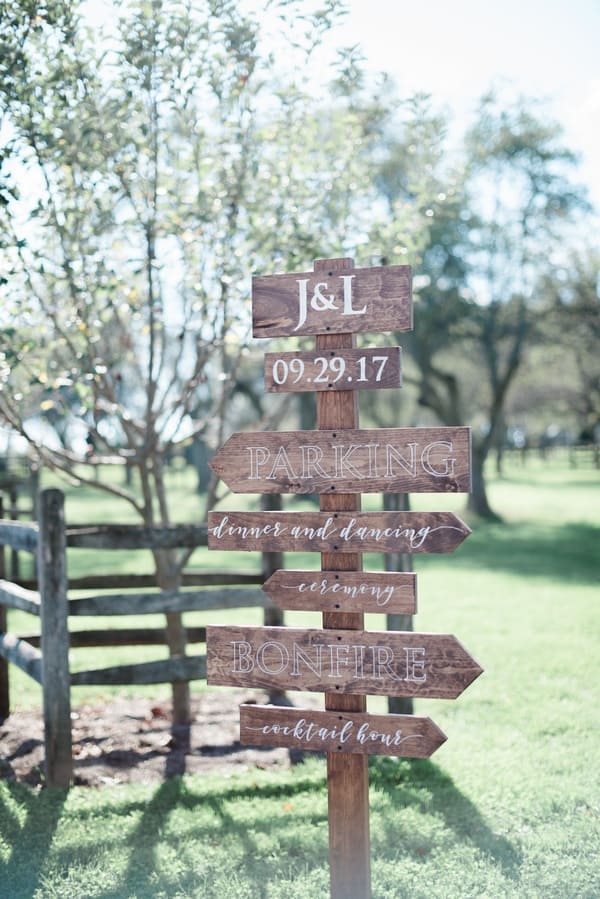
(508,807)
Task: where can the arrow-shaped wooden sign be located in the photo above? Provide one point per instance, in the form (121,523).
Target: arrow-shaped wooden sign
(392,663)
(347,301)
(326,532)
(375,460)
(349,591)
(405,736)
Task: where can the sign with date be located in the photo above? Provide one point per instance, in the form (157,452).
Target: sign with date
(368,369)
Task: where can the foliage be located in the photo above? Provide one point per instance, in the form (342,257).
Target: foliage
(573,322)
(495,228)
(148,171)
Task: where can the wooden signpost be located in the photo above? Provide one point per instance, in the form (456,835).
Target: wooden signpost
(400,735)
(335,370)
(394,593)
(334,299)
(332,532)
(386,663)
(377,460)
(339,461)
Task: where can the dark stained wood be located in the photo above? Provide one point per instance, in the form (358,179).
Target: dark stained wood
(168,601)
(348,591)
(22,654)
(52,569)
(161,672)
(19,536)
(15,597)
(344,661)
(130,536)
(364,369)
(347,774)
(339,300)
(124,636)
(308,729)
(347,460)
(337,532)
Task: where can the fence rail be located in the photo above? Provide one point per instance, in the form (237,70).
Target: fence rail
(19,536)
(125,581)
(45,658)
(167,671)
(131,536)
(15,597)
(22,654)
(122,636)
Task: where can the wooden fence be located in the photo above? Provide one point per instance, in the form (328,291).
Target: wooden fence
(576,455)
(46,658)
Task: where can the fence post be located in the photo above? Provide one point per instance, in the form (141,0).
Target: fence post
(56,687)
(4,672)
(398,502)
(271,562)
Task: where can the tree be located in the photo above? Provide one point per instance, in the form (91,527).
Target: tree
(573,324)
(494,225)
(146,172)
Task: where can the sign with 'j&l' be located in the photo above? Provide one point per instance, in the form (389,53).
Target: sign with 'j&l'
(359,300)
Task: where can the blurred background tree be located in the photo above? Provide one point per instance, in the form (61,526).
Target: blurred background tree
(499,220)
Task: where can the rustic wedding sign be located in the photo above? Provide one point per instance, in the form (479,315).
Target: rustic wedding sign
(377,460)
(339,461)
(334,299)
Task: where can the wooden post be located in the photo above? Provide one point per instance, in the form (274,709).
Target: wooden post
(15,567)
(398,705)
(56,686)
(272,562)
(347,773)
(4,670)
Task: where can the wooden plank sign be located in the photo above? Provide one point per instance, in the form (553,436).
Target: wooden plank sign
(394,593)
(389,663)
(366,369)
(340,301)
(340,461)
(374,460)
(336,532)
(404,736)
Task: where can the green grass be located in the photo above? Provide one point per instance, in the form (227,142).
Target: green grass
(508,807)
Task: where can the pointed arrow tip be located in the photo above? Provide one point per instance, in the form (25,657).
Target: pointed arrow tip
(437,733)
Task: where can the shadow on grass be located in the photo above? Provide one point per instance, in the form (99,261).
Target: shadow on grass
(140,877)
(418,783)
(568,552)
(30,839)
(270,840)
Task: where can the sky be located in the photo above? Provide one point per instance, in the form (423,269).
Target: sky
(456,50)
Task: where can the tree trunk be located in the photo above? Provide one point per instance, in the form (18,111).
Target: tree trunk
(398,502)
(168,577)
(198,456)
(477,502)
(500,442)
